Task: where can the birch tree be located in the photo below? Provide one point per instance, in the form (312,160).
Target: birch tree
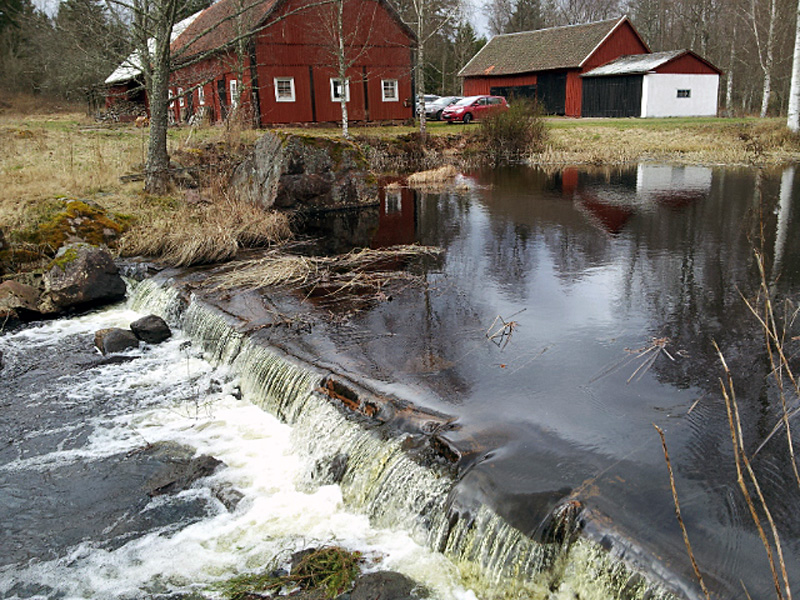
(765,46)
(427,19)
(793,121)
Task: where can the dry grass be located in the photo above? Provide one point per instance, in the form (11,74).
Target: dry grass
(49,157)
(186,235)
(361,273)
(686,141)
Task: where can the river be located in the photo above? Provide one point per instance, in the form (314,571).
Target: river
(571,310)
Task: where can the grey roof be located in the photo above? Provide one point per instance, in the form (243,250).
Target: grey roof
(541,50)
(635,64)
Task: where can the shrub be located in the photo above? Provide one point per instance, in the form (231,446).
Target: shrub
(512,135)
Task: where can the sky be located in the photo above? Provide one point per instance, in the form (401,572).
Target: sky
(476,14)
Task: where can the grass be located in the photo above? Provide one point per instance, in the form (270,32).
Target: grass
(53,153)
(331,570)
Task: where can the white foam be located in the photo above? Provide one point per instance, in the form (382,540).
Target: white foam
(276,516)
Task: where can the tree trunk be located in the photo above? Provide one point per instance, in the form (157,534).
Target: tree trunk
(768,61)
(793,121)
(423,127)
(729,82)
(157,164)
(344,88)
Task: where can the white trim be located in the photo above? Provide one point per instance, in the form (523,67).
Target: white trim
(395,97)
(201,96)
(278,96)
(181,98)
(335,98)
(233,90)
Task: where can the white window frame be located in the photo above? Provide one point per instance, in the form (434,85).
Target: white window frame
(278,97)
(395,97)
(233,90)
(181,99)
(201,96)
(684,93)
(334,97)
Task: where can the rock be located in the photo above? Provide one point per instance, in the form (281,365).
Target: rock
(305,172)
(228,495)
(181,474)
(151,329)
(385,585)
(18,299)
(114,339)
(331,470)
(80,276)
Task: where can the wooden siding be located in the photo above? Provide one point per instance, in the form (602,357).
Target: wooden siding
(619,96)
(622,41)
(475,86)
(572,102)
(295,46)
(687,64)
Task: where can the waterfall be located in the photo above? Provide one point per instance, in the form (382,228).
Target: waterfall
(381,479)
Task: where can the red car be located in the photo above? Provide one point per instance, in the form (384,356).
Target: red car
(474,108)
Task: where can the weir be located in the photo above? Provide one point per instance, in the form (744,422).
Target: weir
(397,469)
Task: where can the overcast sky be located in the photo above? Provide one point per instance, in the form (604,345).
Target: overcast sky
(474,11)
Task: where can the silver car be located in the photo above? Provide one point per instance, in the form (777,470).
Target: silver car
(433,110)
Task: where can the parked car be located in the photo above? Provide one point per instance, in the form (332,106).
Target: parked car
(433,110)
(474,108)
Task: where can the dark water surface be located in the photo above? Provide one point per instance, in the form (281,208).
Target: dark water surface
(534,330)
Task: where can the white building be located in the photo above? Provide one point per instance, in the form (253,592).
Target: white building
(677,83)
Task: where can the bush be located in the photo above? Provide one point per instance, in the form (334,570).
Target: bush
(512,135)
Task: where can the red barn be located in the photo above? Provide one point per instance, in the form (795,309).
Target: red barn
(277,58)
(548,63)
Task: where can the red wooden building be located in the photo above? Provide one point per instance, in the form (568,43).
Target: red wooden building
(276,60)
(548,63)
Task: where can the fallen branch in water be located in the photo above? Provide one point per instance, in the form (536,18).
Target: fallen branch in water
(354,273)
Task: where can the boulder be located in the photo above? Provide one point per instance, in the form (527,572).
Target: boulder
(151,329)
(385,585)
(180,474)
(81,275)
(114,339)
(305,172)
(18,300)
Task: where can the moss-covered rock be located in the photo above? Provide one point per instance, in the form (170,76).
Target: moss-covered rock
(75,221)
(291,171)
(80,276)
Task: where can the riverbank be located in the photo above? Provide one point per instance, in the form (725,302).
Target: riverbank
(52,158)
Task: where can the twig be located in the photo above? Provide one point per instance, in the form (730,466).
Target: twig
(734,424)
(678,513)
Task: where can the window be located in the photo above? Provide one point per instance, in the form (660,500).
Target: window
(336,90)
(234,90)
(181,99)
(284,89)
(389,90)
(684,93)
(201,96)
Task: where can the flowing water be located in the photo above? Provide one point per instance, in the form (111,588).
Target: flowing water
(570,311)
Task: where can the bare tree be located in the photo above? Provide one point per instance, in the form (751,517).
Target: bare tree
(765,47)
(793,121)
(428,18)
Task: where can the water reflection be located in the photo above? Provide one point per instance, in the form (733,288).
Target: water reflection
(592,266)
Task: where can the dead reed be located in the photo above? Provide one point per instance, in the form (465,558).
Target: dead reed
(203,233)
(360,272)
